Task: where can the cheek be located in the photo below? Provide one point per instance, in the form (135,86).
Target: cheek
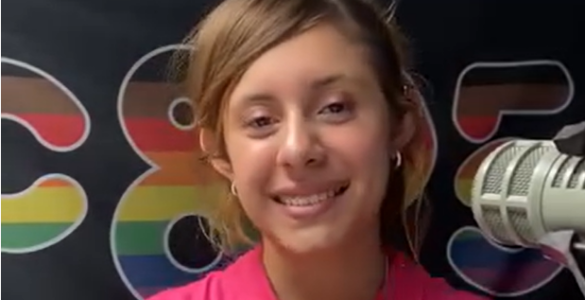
(369,145)
(370,159)
(252,167)
(376,171)
(250,159)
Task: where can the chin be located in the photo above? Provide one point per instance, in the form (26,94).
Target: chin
(310,241)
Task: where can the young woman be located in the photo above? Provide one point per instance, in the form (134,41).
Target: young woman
(306,109)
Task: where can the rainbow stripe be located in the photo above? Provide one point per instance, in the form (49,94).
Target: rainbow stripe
(57,130)
(477,127)
(467,170)
(42,215)
(179,185)
(488,90)
(496,270)
(55,204)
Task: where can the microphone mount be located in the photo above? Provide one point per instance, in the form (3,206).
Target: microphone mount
(564,247)
(571,139)
(568,247)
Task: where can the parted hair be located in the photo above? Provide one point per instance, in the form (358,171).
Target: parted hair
(236,32)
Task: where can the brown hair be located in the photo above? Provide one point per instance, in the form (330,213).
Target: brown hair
(237,32)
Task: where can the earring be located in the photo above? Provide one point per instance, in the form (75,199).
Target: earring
(398,162)
(233,189)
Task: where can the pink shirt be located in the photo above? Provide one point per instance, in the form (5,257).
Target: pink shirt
(245,280)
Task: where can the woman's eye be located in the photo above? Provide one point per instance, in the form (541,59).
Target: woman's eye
(338,111)
(260,122)
(335,108)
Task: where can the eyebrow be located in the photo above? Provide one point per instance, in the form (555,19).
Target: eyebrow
(327,80)
(315,85)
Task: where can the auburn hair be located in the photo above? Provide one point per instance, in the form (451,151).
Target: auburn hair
(236,32)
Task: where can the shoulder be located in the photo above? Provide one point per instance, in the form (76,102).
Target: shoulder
(228,284)
(413,282)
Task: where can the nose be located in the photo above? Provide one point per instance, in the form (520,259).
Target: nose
(300,147)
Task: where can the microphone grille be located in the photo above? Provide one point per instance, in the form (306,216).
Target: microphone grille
(579,171)
(568,166)
(501,189)
(526,158)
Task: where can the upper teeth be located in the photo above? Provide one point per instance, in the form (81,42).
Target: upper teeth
(307,200)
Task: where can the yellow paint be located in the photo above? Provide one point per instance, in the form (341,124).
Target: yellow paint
(60,204)
(157,203)
(463,190)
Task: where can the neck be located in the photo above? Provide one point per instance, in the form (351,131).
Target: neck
(353,271)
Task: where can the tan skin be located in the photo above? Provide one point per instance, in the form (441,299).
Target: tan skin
(306,116)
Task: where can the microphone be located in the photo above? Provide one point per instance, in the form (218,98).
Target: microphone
(531,193)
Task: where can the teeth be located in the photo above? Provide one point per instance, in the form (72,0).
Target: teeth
(307,200)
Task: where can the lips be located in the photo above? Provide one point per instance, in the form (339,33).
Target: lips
(312,199)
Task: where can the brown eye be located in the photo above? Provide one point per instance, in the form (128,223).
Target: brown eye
(338,108)
(335,108)
(260,122)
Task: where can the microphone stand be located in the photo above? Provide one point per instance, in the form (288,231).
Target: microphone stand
(568,247)
(571,140)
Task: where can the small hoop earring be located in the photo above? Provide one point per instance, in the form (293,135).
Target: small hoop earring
(233,189)
(398,162)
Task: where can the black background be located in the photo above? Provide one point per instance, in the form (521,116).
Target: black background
(90,45)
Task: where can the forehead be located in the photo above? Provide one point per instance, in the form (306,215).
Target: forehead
(316,57)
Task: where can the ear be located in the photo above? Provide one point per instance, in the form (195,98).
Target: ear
(209,144)
(409,122)
(406,130)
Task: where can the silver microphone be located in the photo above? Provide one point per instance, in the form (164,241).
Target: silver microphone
(527,193)
(525,189)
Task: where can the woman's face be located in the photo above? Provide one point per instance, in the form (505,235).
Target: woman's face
(307,132)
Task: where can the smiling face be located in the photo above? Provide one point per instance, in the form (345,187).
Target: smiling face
(307,133)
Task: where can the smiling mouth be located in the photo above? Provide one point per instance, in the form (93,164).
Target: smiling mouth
(312,199)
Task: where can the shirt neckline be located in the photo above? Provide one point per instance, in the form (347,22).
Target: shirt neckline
(262,289)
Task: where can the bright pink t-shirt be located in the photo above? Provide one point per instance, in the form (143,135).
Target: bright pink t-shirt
(245,279)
